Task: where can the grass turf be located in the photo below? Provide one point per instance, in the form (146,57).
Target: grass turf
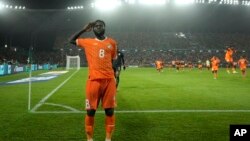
(140,89)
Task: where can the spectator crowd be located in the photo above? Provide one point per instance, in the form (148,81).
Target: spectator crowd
(141,48)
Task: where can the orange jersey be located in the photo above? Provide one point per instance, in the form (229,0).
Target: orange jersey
(158,64)
(99,54)
(229,55)
(199,66)
(243,63)
(215,64)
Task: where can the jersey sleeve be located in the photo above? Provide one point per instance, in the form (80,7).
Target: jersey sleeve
(114,51)
(81,42)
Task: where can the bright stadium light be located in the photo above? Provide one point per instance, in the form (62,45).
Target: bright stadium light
(106,5)
(184,2)
(1,5)
(130,1)
(75,7)
(152,2)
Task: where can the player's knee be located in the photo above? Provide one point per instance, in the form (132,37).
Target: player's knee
(91,112)
(109,111)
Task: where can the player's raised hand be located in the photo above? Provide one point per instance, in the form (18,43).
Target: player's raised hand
(88,27)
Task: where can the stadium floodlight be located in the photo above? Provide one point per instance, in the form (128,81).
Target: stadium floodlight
(152,2)
(247,3)
(106,5)
(75,7)
(130,1)
(1,5)
(184,2)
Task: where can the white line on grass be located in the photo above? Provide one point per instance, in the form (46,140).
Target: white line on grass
(63,106)
(147,111)
(41,102)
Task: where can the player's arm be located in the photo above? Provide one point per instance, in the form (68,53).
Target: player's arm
(87,28)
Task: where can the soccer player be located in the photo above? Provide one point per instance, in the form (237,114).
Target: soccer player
(243,65)
(177,65)
(229,59)
(159,65)
(200,65)
(208,64)
(190,65)
(215,62)
(100,84)
(117,65)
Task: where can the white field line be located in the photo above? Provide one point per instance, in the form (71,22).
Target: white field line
(41,102)
(63,106)
(147,111)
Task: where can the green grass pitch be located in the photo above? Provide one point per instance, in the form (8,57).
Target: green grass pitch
(171,106)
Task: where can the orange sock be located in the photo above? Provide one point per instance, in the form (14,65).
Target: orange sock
(110,126)
(89,126)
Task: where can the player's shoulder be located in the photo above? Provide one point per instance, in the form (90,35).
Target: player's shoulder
(85,40)
(111,40)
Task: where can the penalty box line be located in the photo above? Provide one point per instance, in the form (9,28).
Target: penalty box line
(146,111)
(41,102)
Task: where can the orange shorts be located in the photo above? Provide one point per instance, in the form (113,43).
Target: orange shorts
(243,68)
(229,60)
(100,90)
(215,68)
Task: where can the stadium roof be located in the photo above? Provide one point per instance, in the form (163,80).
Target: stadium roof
(63,4)
(43,20)
(45,4)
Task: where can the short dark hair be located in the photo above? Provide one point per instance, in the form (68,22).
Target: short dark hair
(100,21)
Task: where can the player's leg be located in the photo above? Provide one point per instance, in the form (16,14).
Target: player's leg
(109,123)
(118,76)
(214,71)
(234,67)
(228,66)
(243,71)
(89,124)
(109,103)
(215,74)
(92,97)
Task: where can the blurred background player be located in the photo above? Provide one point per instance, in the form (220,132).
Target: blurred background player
(200,65)
(117,64)
(229,59)
(177,65)
(190,65)
(208,65)
(215,62)
(100,85)
(159,65)
(243,62)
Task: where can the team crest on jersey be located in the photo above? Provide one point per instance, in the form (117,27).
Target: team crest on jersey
(109,46)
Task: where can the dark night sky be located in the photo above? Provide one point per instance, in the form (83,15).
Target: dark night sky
(41,25)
